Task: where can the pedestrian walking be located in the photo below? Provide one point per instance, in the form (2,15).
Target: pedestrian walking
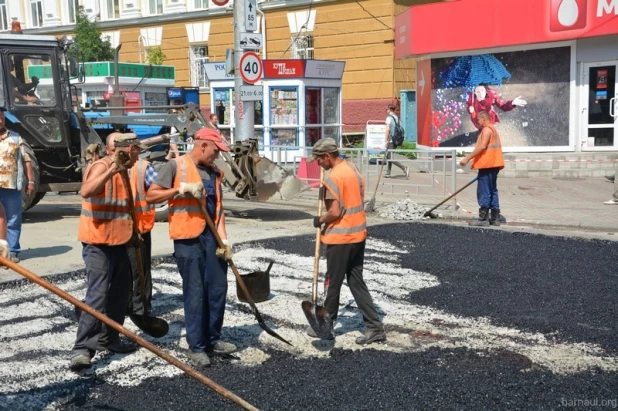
(106,230)
(345,232)
(391,121)
(487,158)
(14,163)
(204,274)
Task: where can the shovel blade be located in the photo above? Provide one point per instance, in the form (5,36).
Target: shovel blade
(318,319)
(153,326)
(268,330)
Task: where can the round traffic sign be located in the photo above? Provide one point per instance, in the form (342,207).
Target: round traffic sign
(250,67)
(220,2)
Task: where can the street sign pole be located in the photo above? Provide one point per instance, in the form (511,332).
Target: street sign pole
(244,110)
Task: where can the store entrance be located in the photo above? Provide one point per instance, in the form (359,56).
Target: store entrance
(599,109)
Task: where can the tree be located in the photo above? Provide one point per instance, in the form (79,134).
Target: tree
(87,37)
(156,57)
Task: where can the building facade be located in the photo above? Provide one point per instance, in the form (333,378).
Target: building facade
(194,32)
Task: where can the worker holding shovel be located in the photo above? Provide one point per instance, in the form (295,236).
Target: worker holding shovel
(105,230)
(344,232)
(185,181)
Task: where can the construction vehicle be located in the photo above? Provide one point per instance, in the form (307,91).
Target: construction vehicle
(57,131)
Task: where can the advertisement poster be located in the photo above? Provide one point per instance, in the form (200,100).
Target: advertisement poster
(526,93)
(375,138)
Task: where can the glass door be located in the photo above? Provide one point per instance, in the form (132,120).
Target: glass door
(599,109)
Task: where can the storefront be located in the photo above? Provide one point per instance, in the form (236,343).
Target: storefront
(303,100)
(544,69)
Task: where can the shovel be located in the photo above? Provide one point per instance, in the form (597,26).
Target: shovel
(316,314)
(371,205)
(432,215)
(156,327)
(239,279)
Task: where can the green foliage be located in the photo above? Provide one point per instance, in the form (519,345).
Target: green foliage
(156,57)
(89,46)
(407,145)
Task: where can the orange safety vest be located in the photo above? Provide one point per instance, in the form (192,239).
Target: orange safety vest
(144,212)
(492,156)
(105,218)
(347,186)
(186,219)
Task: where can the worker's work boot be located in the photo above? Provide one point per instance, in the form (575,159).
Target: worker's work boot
(223,347)
(80,362)
(483,220)
(199,359)
(118,346)
(494,217)
(371,336)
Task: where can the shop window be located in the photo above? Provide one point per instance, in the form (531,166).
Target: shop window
(4,21)
(284,116)
(36,13)
(155,7)
(113,9)
(302,46)
(321,114)
(198,57)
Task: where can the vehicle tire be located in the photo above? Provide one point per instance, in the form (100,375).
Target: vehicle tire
(26,200)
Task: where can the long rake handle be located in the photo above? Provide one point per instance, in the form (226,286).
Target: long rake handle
(239,279)
(373,199)
(132,336)
(452,195)
(316,263)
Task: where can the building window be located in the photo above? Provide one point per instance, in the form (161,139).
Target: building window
(4,21)
(302,46)
(72,11)
(36,13)
(198,57)
(155,7)
(200,4)
(113,9)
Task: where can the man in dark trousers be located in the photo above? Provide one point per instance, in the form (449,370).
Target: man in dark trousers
(105,230)
(487,158)
(202,265)
(344,232)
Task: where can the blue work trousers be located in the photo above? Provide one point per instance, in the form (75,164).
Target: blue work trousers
(204,289)
(487,188)
(11,200)
(109,284)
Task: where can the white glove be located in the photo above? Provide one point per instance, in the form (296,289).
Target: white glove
(195,189)
(5,250)
(519,102)
(471,109)
(225,253)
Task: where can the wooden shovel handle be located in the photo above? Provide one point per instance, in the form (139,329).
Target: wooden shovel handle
(318,232)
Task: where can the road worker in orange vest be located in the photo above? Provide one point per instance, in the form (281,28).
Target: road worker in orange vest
(105,230)
(487,158)
(344,232)
(141,177)
(204,274)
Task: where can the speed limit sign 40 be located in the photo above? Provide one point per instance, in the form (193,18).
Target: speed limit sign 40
(250,67)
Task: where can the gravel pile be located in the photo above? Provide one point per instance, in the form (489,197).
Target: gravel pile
(405,209)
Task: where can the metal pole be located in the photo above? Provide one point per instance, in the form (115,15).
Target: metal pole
(244,114)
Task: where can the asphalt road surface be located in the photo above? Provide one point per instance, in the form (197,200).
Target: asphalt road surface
(476,319)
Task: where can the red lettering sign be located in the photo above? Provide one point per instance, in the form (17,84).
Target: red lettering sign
(284,68)
(480,24)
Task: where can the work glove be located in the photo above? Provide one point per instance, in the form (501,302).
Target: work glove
(225,253)
(195,189)
(316,222)
(92,153)
(123,160)
(136,240)
(5,250)
(519,102)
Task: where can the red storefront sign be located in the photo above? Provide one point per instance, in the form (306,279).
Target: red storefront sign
(284,68)
(479,24)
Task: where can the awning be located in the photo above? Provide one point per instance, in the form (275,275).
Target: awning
(479,24)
